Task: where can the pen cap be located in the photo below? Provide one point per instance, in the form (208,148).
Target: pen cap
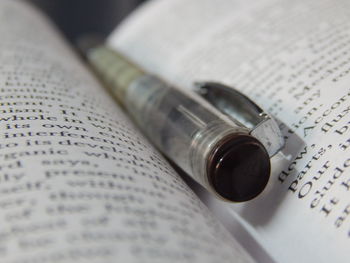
(235,164)
(238,167)
(216,152)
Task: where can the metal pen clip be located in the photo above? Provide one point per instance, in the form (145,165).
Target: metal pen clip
(241,110)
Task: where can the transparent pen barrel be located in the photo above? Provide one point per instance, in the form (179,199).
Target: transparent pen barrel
(183,128)
(216,151)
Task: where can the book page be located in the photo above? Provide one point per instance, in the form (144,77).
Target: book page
(78,183)
(292,58)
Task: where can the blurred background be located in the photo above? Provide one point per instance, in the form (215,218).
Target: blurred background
(78,17)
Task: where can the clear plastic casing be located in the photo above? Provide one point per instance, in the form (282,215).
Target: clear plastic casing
(181,126)
(216,151)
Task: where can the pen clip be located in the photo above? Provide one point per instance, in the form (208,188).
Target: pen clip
(239,108)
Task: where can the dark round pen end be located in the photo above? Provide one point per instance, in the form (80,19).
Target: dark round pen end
(239,168)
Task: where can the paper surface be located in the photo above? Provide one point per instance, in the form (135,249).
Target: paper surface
(78,183)
(292,58)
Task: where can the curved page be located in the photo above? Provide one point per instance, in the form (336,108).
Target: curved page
(77,182)
(292,58)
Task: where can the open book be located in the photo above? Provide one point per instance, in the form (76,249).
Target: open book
(79,183)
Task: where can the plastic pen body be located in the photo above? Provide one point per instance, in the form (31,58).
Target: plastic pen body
(216,152)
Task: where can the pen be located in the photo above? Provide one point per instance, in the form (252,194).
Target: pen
(215,150)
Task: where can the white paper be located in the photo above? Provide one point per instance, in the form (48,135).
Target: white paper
(293,59)
(78,183)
